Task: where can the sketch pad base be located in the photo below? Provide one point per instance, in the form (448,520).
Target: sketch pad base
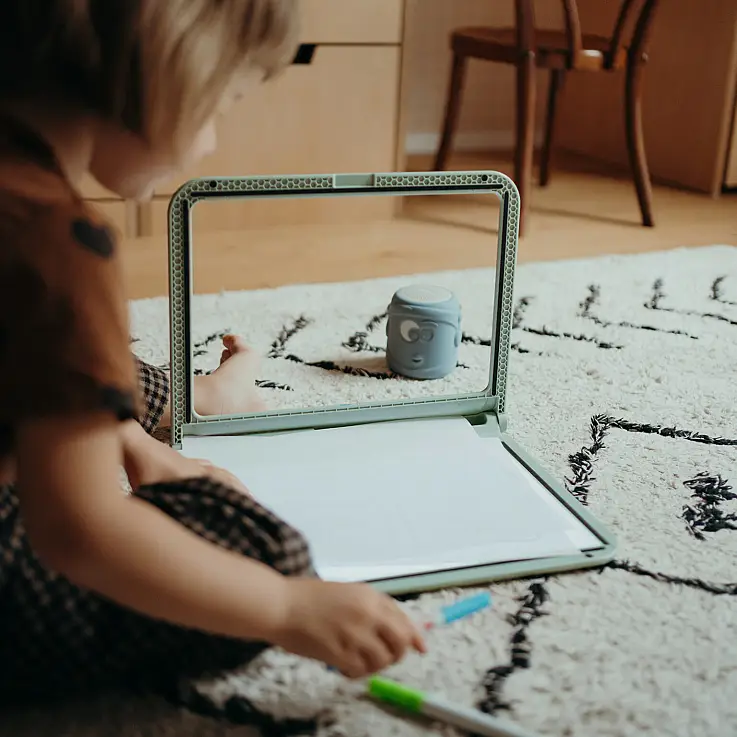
(410,494)
(390,500)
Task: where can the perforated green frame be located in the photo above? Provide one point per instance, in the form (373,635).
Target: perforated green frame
(493,399)
(486,410)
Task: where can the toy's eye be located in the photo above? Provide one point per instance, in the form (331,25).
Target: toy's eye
(409,330)
(427,334)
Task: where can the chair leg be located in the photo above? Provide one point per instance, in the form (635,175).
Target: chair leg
(452,110)
(636,140)
(557,77)
(525,123)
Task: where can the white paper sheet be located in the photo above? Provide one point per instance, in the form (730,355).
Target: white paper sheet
(378,501)
(579,534)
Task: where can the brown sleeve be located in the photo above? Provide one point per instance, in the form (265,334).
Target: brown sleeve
(64,341)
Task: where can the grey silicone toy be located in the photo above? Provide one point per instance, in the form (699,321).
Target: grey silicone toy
(423,332)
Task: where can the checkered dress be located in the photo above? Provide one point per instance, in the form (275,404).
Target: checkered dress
(57,639)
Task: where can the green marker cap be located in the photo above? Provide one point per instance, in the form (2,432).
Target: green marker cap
(396,694)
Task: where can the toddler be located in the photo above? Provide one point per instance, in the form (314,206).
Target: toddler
(189,574)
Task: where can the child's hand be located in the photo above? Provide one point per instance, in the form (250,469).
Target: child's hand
(351,627)
(148,461)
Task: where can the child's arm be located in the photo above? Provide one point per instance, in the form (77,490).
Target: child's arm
(148,461)
(82,525)
(67,379)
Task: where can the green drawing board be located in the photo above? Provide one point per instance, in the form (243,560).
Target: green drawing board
(486,411)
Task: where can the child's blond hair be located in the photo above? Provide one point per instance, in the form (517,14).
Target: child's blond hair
(158,67)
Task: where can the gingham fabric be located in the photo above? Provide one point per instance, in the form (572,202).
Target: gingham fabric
(154,383)
(57,639)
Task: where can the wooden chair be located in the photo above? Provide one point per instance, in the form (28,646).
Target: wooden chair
(563,51)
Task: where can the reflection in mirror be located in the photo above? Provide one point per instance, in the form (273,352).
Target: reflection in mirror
(341,300)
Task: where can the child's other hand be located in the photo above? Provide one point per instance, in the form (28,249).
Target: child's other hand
(148,461)
(351,627)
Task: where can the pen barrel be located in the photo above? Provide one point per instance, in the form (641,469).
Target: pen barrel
(471,720)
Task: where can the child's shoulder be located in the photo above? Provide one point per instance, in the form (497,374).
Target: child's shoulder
(40,209)
(35,195)
(29,192)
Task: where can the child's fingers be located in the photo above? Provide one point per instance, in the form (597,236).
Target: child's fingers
(412,636)
(395,638)
(353,667)
(418,641)
(376,655)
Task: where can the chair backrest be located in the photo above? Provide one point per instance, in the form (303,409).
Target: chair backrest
(633,26)
(630,35)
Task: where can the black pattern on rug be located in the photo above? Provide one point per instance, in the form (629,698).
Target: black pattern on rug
(518,316)
(656,303)
(547,333)
(199,349)
(359,340)
(717,292)
(280,345)
(718,589)
(582,462)
(357,343)
(520,648)
(592,300)
(704,516)
(518,323)
(711,490)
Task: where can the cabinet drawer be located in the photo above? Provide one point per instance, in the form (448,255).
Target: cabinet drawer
(339,113)
(351,21)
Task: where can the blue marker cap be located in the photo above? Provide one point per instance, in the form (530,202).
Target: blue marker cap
(466,607)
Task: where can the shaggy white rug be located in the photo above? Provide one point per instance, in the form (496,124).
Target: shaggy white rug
(623,384)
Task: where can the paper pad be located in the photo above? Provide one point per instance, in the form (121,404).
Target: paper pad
(401,498)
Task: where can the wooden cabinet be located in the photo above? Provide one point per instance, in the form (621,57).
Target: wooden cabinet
(337,111)
(730,176)
(336,114)
(688,98)
(352,21)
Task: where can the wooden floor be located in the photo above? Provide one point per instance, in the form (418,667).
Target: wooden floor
(580,214)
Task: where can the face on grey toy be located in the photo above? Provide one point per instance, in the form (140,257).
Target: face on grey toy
(423,332)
